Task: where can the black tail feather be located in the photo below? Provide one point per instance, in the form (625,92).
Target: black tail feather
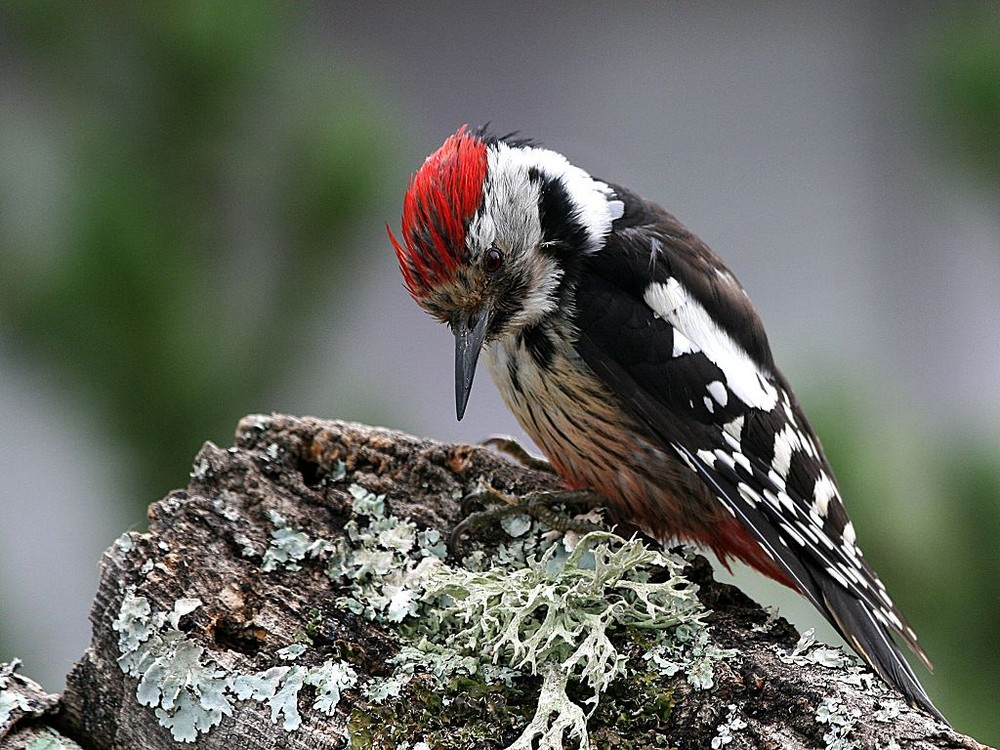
(873,642)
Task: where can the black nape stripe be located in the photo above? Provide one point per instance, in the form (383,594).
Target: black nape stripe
(563,234)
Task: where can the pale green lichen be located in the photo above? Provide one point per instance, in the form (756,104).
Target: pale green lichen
(689,649)
(542,606)
(381,689)
(134,626)
(278,687)
(338,471)
(733,723)
(247,547)
(291,652)
(841,722)
(539,606)
(257,422)
(516,525)
(539,615)
(330,680)
(850,671)
(808,651)
(124,542)
(229,512)
(554,617)
(10,701)
(190,694)
(201,470)
(289,546)
(366,503)
(889,710)
(556,717)
(382,560)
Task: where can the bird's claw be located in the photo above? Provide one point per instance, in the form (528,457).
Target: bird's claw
(538,505)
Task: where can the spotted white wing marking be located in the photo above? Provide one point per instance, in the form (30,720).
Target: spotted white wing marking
(788,503)
(704,384)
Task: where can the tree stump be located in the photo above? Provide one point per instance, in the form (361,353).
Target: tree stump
(299,594)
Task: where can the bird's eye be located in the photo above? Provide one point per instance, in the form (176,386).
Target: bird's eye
(492,261)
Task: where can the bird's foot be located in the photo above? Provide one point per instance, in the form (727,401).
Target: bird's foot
(508,445)
(538,505)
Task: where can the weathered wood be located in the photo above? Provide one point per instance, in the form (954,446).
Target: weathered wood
(24,707)
(226,571)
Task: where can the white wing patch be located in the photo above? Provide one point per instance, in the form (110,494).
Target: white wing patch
(671,301)
(682,344)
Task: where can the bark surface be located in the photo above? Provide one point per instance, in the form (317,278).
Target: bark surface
(225,581)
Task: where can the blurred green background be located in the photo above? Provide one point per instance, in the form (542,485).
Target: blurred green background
(192,207)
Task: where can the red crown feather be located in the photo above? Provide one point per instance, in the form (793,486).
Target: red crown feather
(443,196)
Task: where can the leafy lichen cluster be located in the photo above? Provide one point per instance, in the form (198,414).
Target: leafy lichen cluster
(840,722)
(733,723)
(10,700)
(536,610)
(558,617)
(190,693)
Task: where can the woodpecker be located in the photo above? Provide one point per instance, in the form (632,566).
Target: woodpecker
(635,360)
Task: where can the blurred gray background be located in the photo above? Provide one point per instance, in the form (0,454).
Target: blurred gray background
(193,203)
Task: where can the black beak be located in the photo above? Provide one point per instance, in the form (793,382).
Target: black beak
(469,335)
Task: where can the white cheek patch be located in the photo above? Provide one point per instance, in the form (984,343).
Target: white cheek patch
(509,217)
(593,201)
(672,302)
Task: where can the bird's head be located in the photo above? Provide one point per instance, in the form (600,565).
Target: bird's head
(492,228)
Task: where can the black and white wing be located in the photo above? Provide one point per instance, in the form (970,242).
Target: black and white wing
(667,327)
